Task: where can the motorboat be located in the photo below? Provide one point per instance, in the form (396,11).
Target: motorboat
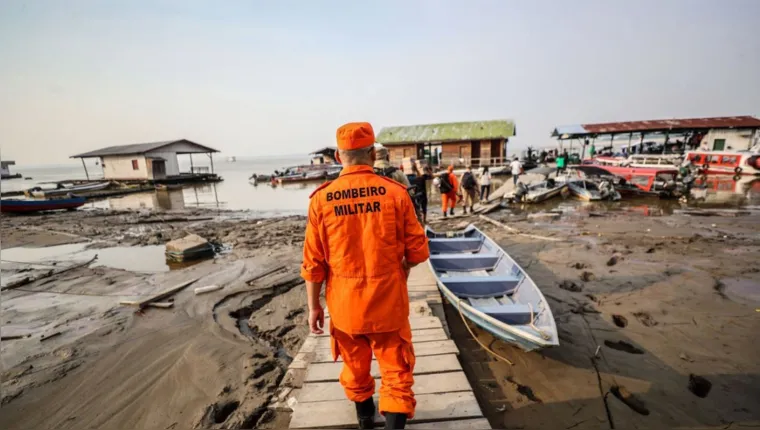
(725,162)
(488,288)
(589,190)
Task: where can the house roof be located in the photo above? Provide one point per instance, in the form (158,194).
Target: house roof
(656,126)
(142,148)
(327,150)
(447,132)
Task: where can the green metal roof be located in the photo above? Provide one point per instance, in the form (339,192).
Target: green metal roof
(447,132)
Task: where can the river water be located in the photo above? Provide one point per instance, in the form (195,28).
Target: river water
(236,193)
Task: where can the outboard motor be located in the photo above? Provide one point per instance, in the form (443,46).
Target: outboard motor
(606,190)
(521,191)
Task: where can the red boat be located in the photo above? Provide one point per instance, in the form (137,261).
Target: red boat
(646,180)
(726,162)
(29,206)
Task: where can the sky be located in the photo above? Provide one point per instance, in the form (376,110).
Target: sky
(278,77)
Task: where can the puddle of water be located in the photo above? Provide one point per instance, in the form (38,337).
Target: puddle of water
(132,258)
(743,288)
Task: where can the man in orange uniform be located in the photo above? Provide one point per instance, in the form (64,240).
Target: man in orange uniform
(362,238)
(449,199)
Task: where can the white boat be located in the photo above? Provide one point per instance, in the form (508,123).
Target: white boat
(490,289)
(42,193)
(231,159)
(641,160)
(592,191)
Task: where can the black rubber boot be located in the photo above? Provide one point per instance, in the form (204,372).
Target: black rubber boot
(365,413)
(451,211)
(395,420)
(444,214)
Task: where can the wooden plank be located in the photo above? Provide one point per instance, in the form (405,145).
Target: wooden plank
(419,288)
(422,349)
(159,296)
(475,423)
(423,384)
(430,407)
(322,372)
(418,336)
(415,323)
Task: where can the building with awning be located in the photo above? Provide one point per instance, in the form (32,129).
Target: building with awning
(476,143)
(738,133)
(148,161)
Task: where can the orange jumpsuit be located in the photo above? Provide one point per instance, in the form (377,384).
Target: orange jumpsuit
(449,200)
(360,228)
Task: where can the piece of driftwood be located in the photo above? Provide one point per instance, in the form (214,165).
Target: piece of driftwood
(162,305)
(50,273)
(267,273)
(207,289)
(517,232)
(166,293)
(50,336)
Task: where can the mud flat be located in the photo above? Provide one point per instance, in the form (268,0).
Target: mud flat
(657,317)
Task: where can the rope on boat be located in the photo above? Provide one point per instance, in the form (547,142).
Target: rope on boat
(459,308)
(544,335)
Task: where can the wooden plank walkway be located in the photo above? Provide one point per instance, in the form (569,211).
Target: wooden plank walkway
(445,399)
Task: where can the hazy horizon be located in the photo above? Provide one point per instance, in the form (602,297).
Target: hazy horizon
(277,79)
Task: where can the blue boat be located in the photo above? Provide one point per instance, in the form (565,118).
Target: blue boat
(30,206)
(490,289)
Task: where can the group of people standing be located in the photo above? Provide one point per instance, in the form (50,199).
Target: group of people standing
(466,188)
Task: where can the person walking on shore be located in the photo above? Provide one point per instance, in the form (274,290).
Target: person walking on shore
(469,187)
(448,185)
(516,170)
(383,167)
(362,239)
(420,183)
(485,184)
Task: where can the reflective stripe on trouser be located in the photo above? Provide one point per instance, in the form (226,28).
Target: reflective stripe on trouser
(395,357)
(448,200)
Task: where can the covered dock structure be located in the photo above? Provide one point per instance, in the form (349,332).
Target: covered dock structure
(153,162)
(736,133)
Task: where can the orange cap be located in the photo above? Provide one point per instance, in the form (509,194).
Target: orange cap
(355,135)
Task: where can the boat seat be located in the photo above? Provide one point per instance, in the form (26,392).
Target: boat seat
(458,244)
(481,286)
(463,262)
(508,314)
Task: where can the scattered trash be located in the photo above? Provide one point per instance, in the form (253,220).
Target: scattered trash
(501,408)
(699,385)
(50,336)
(620,320)
(587,277)
(613,260)
(190,247)
(578,266)
(268,311)
(685,357)
(570,286)
(630,400)
(598,348)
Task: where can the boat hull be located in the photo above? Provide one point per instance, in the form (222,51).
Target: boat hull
(472,277)
(30,206)
(64,191)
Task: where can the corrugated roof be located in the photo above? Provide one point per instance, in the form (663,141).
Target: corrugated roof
(139,148)
(447,132)
(659,125)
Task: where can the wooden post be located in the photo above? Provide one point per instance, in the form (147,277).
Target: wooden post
(630,136)
(211,157)
(612,142)
(667,139)
(641,143)
(192,170)
(85,169)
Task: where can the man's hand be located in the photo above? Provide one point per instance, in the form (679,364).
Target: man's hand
(316,319)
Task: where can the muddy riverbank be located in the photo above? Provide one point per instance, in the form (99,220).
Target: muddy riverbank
(656,317)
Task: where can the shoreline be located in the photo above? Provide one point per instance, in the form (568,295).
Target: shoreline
(679,300)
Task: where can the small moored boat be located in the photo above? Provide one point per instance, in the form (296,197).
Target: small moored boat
(490,289)
(43,193)
(588,190)
(29,206)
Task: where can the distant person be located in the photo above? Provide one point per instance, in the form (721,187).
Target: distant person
(516,168)
(448,184)
(420,184)
(542,156)
(592,151)
(561,162)
(469,186)
(383,167)
(485,184)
